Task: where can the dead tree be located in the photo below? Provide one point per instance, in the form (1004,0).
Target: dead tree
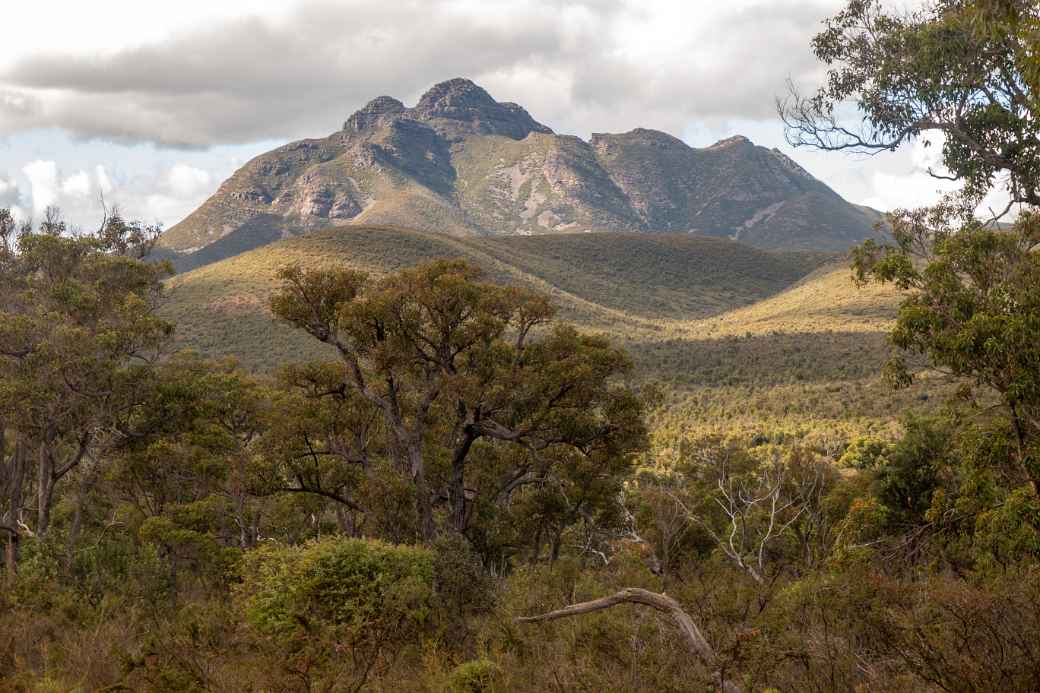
(758,509)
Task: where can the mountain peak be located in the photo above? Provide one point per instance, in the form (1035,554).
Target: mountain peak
(455,109)
(374,113)
(453,95)
(735,141)
(460,162)
(473,111)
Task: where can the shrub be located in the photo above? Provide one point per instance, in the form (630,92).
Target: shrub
(477,676)
(336,581)
(338,608)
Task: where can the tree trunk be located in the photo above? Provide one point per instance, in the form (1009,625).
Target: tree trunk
(424,505)
(85,487)
(457,483)
(346,521)
(44,492)
(11,551)
(692,636)
(13,485)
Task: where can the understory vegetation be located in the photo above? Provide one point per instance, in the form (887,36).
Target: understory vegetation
(455,488)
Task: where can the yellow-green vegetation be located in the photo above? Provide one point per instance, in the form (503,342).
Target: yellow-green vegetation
(737,336)
(826,300)
(636,285)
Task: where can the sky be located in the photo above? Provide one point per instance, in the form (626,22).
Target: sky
(153,104)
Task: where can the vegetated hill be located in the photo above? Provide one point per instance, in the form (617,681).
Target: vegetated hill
(826,300)
(462,164)
(823,328)
(804,363)
(743,340)
(628,284)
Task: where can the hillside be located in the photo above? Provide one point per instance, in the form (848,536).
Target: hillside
(629,283)
(740,338)
(462,164)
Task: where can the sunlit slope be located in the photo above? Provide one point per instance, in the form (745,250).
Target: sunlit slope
(638,287)
(826,300)
(824,328)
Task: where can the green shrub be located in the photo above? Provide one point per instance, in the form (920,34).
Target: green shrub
(337,611)
(336,581)
(476,676)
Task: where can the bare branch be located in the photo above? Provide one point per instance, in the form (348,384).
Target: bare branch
(695,640)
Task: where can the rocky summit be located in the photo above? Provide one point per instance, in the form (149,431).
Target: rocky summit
(461,163)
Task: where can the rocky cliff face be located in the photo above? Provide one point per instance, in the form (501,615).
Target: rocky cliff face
(462,163)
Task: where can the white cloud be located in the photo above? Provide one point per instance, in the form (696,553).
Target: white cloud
(918,188)
(43,184)
(187,181)
(104,182)
(76,185)
(164,194)
(9,192)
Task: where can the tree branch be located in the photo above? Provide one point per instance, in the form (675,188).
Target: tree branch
(695,641)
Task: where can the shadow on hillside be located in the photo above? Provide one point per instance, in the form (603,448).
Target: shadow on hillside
(767,359)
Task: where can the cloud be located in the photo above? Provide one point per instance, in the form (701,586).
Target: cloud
(43,184)
(10,195)
(164,194)
(76,185)
(101,177)
(186,181)
(579,66)
(918,187)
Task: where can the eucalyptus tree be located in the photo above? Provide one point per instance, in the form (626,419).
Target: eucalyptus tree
(452,365)
(78,335)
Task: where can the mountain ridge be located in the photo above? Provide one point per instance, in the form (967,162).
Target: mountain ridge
(461,163)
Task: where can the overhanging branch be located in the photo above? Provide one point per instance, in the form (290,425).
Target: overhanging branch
(695,640)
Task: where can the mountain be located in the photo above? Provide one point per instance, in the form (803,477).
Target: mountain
(463,164)
(635,286)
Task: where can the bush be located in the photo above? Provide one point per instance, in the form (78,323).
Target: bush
(336,581)
(477,676)
(338,609)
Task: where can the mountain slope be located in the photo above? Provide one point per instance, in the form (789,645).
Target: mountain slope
(633,285)
(462,164)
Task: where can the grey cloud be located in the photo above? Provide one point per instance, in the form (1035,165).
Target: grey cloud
(10,196)
(253,79)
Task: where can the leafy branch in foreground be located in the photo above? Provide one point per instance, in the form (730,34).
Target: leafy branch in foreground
(961,74)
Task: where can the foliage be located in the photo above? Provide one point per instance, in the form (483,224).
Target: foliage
(357,583)
(454,367)
(356,599)
(476,676)
(223,531)
(964,70)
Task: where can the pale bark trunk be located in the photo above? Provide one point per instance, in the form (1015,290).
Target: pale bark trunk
(695,641)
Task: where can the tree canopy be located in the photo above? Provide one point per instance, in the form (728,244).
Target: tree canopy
(459,371)
(960,74)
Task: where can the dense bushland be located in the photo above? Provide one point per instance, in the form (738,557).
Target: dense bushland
(469,494)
